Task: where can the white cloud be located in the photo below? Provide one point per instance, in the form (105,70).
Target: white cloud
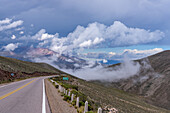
(46,36)
(10,25)
(13,37)
(11,47)
(99,35)
(97,40)
(86,43)
(136,54)
(19,29)
(21,32)
(121,35)
(125,70)
(91,43)
(149,51)
(5,21)
(42,35)
(105,61)
(39,34)
(112,53)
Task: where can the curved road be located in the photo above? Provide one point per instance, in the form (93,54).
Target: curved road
(26,96)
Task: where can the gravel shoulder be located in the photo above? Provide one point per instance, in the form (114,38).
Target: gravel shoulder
(56,102)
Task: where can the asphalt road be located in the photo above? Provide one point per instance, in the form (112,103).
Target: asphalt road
(27,96)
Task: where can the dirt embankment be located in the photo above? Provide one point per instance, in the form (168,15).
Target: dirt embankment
(5,76)
(57,104)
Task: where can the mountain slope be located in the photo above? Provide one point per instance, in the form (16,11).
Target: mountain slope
(101,95)
(153,80)
(23,69)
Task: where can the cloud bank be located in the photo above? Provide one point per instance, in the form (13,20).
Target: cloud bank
(125,70)
(97,35)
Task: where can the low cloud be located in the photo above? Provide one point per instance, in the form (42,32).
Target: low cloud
(141,53)
(8,24)
(5,21)
(10,47)
(125,70)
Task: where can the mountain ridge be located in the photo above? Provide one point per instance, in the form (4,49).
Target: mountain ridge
(153,80)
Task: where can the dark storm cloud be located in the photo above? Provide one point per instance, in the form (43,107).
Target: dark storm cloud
(64,15)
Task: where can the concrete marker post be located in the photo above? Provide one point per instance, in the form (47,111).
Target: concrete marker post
(86,107)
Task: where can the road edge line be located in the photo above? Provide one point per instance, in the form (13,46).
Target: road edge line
(43,99)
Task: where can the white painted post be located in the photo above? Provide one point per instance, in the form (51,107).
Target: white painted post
(99,110)
(69,93)
(86,107)
(72,97)
(77,102)
(56,83)
(61,88)
(66,92)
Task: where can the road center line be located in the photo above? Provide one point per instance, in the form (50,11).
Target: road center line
(8,94)
(13,83)
(43,100)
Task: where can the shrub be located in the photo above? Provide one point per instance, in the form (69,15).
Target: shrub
(81,103)
(90,107)
(80,110)
(56,86)
(66,98)
(75,92)
(70,105)
(67,86)
(74,87)
(73,102)
(90,112)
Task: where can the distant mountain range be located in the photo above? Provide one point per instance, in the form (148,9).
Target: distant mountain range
(47,56)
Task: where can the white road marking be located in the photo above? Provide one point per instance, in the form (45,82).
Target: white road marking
(43,100)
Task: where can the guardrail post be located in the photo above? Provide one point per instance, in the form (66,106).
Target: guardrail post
(66,92)
(86,107)
(72,97)
(77,102)
(69,93)
(99,110)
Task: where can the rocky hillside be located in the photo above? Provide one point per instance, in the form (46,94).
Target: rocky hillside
(153,80)
(22,69)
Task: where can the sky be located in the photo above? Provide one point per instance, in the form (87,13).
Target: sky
(79,26)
